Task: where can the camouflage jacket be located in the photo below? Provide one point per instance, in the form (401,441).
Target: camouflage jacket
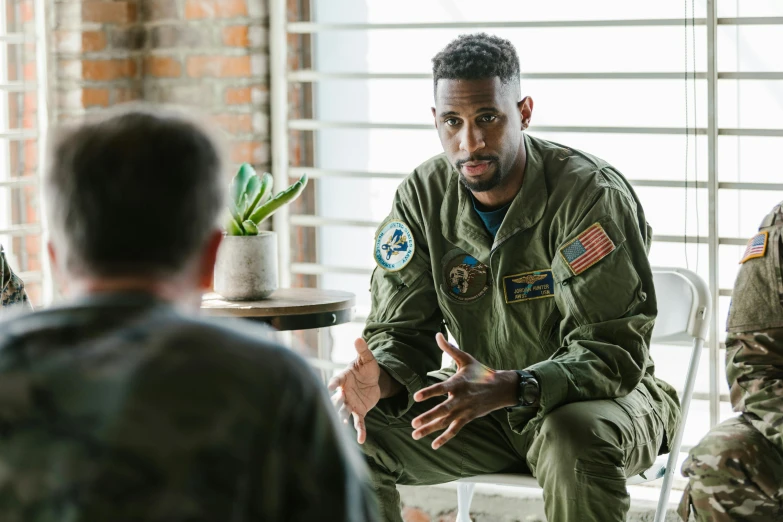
(11,287)
(123,408)
(754,345)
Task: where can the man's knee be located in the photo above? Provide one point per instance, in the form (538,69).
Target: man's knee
(573,436)
(735,454)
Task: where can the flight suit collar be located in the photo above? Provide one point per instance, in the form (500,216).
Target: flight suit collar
(461,225)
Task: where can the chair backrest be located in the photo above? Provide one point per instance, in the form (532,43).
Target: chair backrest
(683,306)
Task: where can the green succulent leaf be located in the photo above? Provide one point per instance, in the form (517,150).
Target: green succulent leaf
(250,228)
(242,206)
(261,195)
(234,229)
(239,183)
(282,198)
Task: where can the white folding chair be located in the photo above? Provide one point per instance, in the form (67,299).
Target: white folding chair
(683,318)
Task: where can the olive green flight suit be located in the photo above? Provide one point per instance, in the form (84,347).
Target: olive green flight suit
(518,302)
(736,471)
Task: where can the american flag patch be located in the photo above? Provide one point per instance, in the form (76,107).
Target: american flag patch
(757,247)
(587,249)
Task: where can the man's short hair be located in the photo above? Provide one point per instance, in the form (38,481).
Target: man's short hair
(477,57)
(134,193)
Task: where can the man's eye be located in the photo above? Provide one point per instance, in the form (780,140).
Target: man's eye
(452,122)
(487,118)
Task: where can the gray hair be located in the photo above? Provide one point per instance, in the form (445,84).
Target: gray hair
(134,193)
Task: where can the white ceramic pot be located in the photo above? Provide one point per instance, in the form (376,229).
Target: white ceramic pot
(246,267)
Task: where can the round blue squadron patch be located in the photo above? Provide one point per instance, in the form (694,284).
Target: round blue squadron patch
(464,276)
(394,246)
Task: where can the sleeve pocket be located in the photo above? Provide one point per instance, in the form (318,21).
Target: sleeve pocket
(607,290)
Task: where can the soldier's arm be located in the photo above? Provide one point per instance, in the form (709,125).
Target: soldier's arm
(327,478)
(755,373)
(404,319)
(11,287)
(607,305)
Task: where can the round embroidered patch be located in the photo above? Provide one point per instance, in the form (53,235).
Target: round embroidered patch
(394,246)
(465,278)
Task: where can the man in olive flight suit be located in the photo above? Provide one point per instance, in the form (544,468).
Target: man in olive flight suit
(534,256)
(12,292)
(736,472)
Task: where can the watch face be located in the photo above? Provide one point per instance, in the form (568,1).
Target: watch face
(530,391)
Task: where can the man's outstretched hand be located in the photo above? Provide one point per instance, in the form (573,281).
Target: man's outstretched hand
(357,388)
(473,392)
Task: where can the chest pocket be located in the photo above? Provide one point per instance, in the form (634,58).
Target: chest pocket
(607,290)
(755,302)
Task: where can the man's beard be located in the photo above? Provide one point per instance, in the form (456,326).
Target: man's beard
(481,185)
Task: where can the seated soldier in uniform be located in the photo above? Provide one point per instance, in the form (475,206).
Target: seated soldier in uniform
(12,292)
(534,256)
(122,404)
(735,473)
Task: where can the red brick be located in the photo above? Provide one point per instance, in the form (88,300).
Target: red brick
(238,95)
(159,10)
(30,102)
(246,152)
(27,11)
(162,67)
(234,123)
(109,12)
(30,154)
(30,72)
(95,98)
(108,70)
(93,41)
(236,36)
(165,36)
(218,66)
(126,95)
(198,9)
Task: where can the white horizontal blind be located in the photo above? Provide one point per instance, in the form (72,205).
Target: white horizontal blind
(23,122)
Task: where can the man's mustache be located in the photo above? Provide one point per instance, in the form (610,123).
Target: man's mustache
(461,163)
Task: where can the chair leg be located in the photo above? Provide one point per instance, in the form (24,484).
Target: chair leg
(464,498)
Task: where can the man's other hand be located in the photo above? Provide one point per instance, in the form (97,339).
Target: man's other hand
(357,388)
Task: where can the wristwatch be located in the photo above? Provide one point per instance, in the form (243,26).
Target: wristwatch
(528,391)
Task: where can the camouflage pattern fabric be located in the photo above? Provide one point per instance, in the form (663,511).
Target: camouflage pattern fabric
(11,287)
(736,472)
(121,408)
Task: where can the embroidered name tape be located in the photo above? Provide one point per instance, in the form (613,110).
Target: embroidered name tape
(757,247)
(529,285)
(394,246)
(587,249)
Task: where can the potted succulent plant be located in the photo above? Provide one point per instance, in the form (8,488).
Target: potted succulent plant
(246,266)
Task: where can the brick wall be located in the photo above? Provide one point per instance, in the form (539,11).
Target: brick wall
(209,54)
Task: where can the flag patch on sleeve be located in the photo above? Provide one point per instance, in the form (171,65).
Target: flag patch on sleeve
(587,249)
(757,247)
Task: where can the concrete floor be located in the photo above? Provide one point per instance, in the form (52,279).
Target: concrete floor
(508,504)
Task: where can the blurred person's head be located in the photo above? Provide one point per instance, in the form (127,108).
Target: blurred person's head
(133,201)
(478,111)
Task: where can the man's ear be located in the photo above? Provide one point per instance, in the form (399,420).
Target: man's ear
(208,257)
(434,118)
(525,111)
(51,251)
